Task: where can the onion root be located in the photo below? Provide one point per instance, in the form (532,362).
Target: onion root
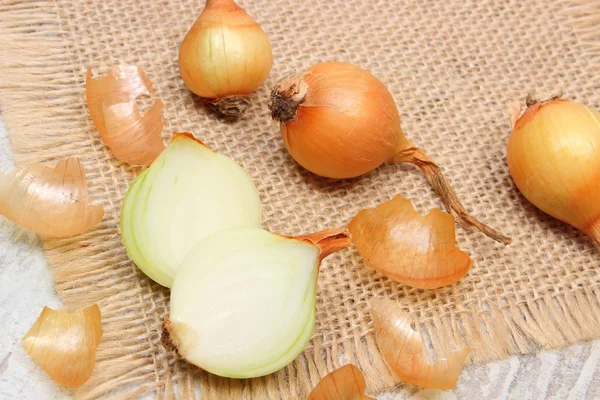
(229,106)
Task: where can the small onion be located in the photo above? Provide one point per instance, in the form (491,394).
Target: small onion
(339,121)
(554,159)
(225,56)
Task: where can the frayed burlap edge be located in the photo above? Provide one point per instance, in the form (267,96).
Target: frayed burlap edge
(41,107)
(584,17)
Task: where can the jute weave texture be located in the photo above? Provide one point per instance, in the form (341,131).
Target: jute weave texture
(452,67)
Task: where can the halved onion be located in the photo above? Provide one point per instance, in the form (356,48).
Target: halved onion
(188,193)
(243,300)
(50,201)
(345,383)
(402,347)
(133,138)
(64,343)
(407,247)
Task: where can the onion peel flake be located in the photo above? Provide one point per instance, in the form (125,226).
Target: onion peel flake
(401,347)
(345,383)
(132,137)
(49,201)
(64,343)
(418,251)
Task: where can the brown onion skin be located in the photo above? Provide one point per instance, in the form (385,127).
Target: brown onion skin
(233,68)
(341,95)
(553,159)
(418,251)
(339,121)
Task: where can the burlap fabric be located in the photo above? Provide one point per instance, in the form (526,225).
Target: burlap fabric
(452,67)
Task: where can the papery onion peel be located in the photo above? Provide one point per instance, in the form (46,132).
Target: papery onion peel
(51,201)
(345,383)
(402,347)
(132,137)
(64,343)
(419,251)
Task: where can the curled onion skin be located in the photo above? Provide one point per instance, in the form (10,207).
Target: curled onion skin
(132,137)
(123,84)
(345,383)
(49,201)
(339,121)
(401,348)
(64,343)
(553,159)
(415,250)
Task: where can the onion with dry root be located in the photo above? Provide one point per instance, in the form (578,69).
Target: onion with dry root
(50,201)
(188,193)
(339,121)
(407,247)
(225,56)
(132,137)
(243,300)
(64,343)
(345,383)
(554,159)
(402,347)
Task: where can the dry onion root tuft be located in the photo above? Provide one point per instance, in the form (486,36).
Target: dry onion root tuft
(418,251)
(339,121)
(49,201)
(554,159)
(402,347)
(225,56)
(64,343)
(132,137)
(345,383)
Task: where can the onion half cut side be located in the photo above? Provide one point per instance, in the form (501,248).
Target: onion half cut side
(188,193)
(243,301)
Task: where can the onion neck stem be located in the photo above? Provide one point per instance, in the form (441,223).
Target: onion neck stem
(440,184)
(328,241)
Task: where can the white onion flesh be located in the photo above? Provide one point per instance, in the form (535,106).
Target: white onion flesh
(243,302)
(188,193)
